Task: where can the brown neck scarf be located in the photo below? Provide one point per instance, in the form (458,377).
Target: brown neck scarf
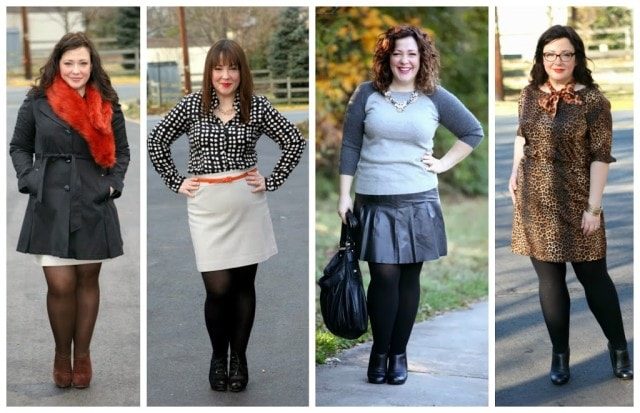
(89,116)
(549,102)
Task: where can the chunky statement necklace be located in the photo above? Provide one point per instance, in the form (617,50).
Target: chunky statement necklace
(400,106)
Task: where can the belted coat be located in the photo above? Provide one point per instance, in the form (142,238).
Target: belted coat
(71,213)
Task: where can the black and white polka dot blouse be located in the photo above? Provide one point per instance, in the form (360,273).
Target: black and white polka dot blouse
(219,147)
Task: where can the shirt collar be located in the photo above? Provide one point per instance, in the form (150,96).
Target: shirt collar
(216,101)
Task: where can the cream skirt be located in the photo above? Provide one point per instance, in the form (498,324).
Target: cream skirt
(51,261)
(230,225)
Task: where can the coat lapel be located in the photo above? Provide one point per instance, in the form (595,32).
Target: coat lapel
(44,107)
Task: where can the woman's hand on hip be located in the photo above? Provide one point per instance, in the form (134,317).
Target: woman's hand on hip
(189,187)
(433,164)
(256,180)
(345,203)
(590,223)
(513,186)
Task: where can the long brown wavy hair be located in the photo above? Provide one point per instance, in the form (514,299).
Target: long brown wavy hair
(98,77)
(428,74)
(228,52)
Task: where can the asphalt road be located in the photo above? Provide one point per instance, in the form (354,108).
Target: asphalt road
(115,350)
(523,348)
(178,347)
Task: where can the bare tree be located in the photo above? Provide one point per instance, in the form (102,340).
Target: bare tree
(67,17)
(250,26)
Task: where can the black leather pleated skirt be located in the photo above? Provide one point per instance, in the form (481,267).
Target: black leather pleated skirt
(400,229)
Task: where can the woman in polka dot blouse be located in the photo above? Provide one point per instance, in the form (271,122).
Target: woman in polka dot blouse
(228,213)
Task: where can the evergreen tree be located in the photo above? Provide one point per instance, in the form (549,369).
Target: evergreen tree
(289,47)
(128,33)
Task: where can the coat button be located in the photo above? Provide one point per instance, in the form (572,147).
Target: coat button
(67,188)
(67,160)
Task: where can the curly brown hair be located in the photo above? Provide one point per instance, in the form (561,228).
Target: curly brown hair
(98,78)
(428,73)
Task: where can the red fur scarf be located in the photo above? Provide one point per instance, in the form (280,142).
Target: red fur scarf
(89,116)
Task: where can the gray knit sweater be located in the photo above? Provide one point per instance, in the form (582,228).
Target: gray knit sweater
(385,146)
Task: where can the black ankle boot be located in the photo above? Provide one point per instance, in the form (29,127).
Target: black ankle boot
(377,371)
(620,363)
(238,372)
(559,374)
(218,373)
(397,372)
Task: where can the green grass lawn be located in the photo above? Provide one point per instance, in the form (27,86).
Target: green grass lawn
(451,282)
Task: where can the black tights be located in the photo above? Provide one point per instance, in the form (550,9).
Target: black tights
(392,301)
(73,298)
(230,308)
(601,294)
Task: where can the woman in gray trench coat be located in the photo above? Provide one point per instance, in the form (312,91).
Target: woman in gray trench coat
(70,152)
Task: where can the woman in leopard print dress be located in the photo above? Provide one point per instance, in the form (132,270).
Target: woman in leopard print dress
(561,160)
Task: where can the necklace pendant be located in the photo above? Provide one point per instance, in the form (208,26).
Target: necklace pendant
(400,106)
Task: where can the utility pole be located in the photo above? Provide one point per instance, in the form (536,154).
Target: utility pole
(498,63)
(185,51)
(26,44)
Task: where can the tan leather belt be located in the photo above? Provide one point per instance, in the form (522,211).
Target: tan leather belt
(224,179)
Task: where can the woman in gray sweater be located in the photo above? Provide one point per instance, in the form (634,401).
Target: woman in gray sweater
(388,146)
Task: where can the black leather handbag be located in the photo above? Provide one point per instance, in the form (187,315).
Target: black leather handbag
(342,299)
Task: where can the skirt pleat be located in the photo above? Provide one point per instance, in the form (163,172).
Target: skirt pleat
(400,229)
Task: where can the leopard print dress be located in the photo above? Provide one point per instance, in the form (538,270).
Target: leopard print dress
(553,176)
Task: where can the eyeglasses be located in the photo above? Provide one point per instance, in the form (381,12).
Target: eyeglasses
(564,57)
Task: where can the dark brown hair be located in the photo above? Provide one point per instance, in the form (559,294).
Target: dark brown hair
(98,77)
(427,77)
(581,73)
(228,52)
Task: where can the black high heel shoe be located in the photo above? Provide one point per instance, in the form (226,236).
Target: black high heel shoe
(620,363)
(377,370)
(218,377)
(397,372)
(559,373)
(238,372)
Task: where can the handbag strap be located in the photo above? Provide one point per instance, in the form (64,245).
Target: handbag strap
(347,233)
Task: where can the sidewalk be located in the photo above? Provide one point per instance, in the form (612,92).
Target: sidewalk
(448,359)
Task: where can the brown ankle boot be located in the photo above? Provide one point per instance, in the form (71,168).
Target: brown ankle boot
(62,370)
(81,372)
